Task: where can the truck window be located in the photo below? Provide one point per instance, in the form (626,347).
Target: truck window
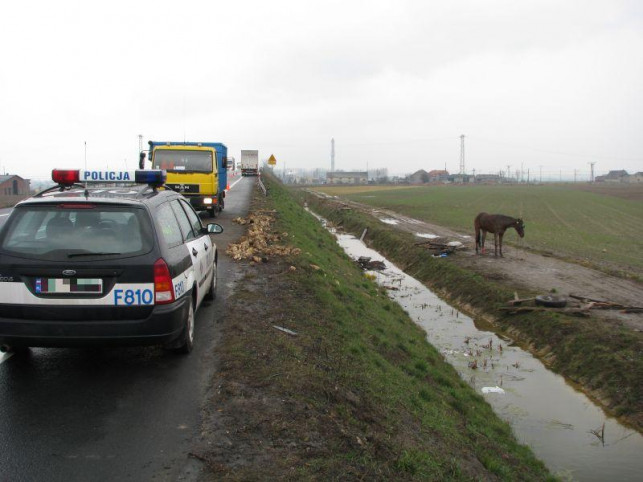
(176,160)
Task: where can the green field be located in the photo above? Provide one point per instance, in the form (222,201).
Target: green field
(601,229)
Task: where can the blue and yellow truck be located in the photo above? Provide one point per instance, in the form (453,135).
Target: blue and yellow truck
(198,170)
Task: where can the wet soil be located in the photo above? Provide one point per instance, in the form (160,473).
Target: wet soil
(528,271)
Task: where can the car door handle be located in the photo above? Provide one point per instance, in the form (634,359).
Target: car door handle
(194,251)
(205,246)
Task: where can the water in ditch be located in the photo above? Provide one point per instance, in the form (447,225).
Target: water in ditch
(564,428)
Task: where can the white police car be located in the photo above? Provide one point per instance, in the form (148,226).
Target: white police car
(115,264)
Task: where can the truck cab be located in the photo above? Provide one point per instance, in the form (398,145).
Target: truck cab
(198,170)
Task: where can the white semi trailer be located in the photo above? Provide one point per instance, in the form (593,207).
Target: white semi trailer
(249,163)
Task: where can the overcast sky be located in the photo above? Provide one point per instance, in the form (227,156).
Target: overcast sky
(548,85)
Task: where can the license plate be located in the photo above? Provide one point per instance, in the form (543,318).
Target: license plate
(89,286)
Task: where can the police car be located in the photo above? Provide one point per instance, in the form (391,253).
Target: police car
(116,263)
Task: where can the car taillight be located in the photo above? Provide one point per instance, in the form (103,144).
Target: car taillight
(163,288)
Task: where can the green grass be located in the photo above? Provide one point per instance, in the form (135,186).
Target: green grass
(359,379)
(603,358)
(590,227)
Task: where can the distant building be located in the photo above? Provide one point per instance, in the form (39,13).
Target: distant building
(419,177)
(488,179)
(613,176)
(635,178)
(13,189)
(341,177)
(438,176)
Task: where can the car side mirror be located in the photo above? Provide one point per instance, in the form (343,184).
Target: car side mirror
(214,228)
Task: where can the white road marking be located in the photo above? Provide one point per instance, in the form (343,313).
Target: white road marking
(4,215)
(235,182)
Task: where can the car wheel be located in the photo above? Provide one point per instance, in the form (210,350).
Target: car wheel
(551,301)
(212,292)
(187,338)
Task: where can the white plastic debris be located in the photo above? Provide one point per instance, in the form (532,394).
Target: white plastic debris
(285,330)
(495,389)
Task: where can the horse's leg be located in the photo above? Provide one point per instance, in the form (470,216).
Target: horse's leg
(500,243)
(484,236)
(495,244)
(477,237)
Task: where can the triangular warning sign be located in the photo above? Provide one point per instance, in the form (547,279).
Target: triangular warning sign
(272,160)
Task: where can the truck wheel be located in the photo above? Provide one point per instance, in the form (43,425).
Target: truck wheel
(212,211)
(551,301)
(187,337)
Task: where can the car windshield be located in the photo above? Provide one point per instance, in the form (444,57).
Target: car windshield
(59,232)
(177,160)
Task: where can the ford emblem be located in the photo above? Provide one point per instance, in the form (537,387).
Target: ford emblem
(69,272)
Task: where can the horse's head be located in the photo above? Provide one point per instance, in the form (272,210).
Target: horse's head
(520,227)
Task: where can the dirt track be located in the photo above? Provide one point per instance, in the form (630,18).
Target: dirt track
(531,271)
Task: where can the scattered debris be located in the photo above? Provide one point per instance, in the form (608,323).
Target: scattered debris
(551,301)
(285,330)
(600,433)
(606,305)
(366,264)
(561,304)
(495,389)
(261,241)
(441,246)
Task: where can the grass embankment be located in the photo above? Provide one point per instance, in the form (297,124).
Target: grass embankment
(593,228)
(357,393)
(604,359)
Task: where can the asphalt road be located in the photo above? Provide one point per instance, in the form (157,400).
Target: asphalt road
(117,413)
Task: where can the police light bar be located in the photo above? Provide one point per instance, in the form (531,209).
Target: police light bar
(67,177)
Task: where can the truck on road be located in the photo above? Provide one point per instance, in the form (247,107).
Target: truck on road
(249,162)
(198,170)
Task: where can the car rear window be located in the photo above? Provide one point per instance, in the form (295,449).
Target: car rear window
(64,231)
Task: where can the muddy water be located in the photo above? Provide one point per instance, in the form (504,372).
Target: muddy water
(561,425)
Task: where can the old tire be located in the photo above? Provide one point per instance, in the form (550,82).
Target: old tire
(551,301)
(212,291)
(186,342)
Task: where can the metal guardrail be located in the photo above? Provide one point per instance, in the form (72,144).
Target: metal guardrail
(262,186)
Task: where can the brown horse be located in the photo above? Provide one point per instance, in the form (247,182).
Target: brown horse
(496,224)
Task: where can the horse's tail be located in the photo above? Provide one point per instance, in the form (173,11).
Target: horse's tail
(476,226)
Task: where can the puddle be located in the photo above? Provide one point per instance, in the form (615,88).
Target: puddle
(427,235)
(389,221)
(545,412)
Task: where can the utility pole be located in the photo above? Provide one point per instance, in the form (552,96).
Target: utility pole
(541,174)
(462,154)
(574,176)
(591,178)
(527,175)
(508,172)
(85,155)
(332,155)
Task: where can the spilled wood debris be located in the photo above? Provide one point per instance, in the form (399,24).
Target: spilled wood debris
(261,242)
